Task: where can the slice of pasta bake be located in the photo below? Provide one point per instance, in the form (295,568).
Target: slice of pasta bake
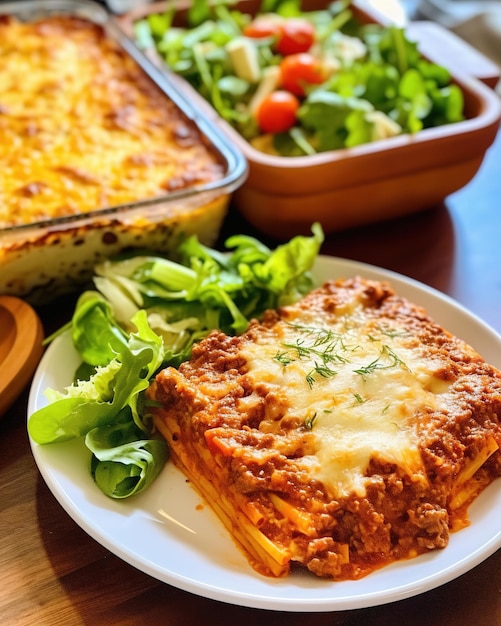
(341,433)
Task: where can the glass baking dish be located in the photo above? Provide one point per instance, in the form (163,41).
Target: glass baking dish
(42,259)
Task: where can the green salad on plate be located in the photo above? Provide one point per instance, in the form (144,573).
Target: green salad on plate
(144,314)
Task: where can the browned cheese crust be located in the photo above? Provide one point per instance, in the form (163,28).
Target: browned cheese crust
(82,127)
(235,429)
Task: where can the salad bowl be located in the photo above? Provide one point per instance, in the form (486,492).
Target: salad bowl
(366,183)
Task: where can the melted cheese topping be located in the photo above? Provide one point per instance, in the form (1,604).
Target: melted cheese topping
(83,128)
(358,388)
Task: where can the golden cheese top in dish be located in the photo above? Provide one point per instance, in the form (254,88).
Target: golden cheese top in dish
(82,127)
(341,433)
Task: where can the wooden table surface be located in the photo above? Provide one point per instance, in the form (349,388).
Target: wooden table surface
(52,572)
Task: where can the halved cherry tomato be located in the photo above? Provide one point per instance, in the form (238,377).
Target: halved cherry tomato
(261,28)
(300,70)
(277,112)
(296,35)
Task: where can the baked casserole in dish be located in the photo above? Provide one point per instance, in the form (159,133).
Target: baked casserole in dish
(100,154)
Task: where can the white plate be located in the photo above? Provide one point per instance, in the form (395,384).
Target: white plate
(166,533)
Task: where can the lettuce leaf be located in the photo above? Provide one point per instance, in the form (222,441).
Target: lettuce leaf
(123,464)
(99,401)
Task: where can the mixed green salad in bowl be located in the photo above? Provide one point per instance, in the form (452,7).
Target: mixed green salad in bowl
(143,314)
(295,82)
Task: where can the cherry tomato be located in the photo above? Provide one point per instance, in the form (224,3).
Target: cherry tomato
(277,112)
(296,35)
(261,28)
(300,70)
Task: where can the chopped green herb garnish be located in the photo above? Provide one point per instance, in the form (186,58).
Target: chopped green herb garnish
(386,360)
(310,421)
